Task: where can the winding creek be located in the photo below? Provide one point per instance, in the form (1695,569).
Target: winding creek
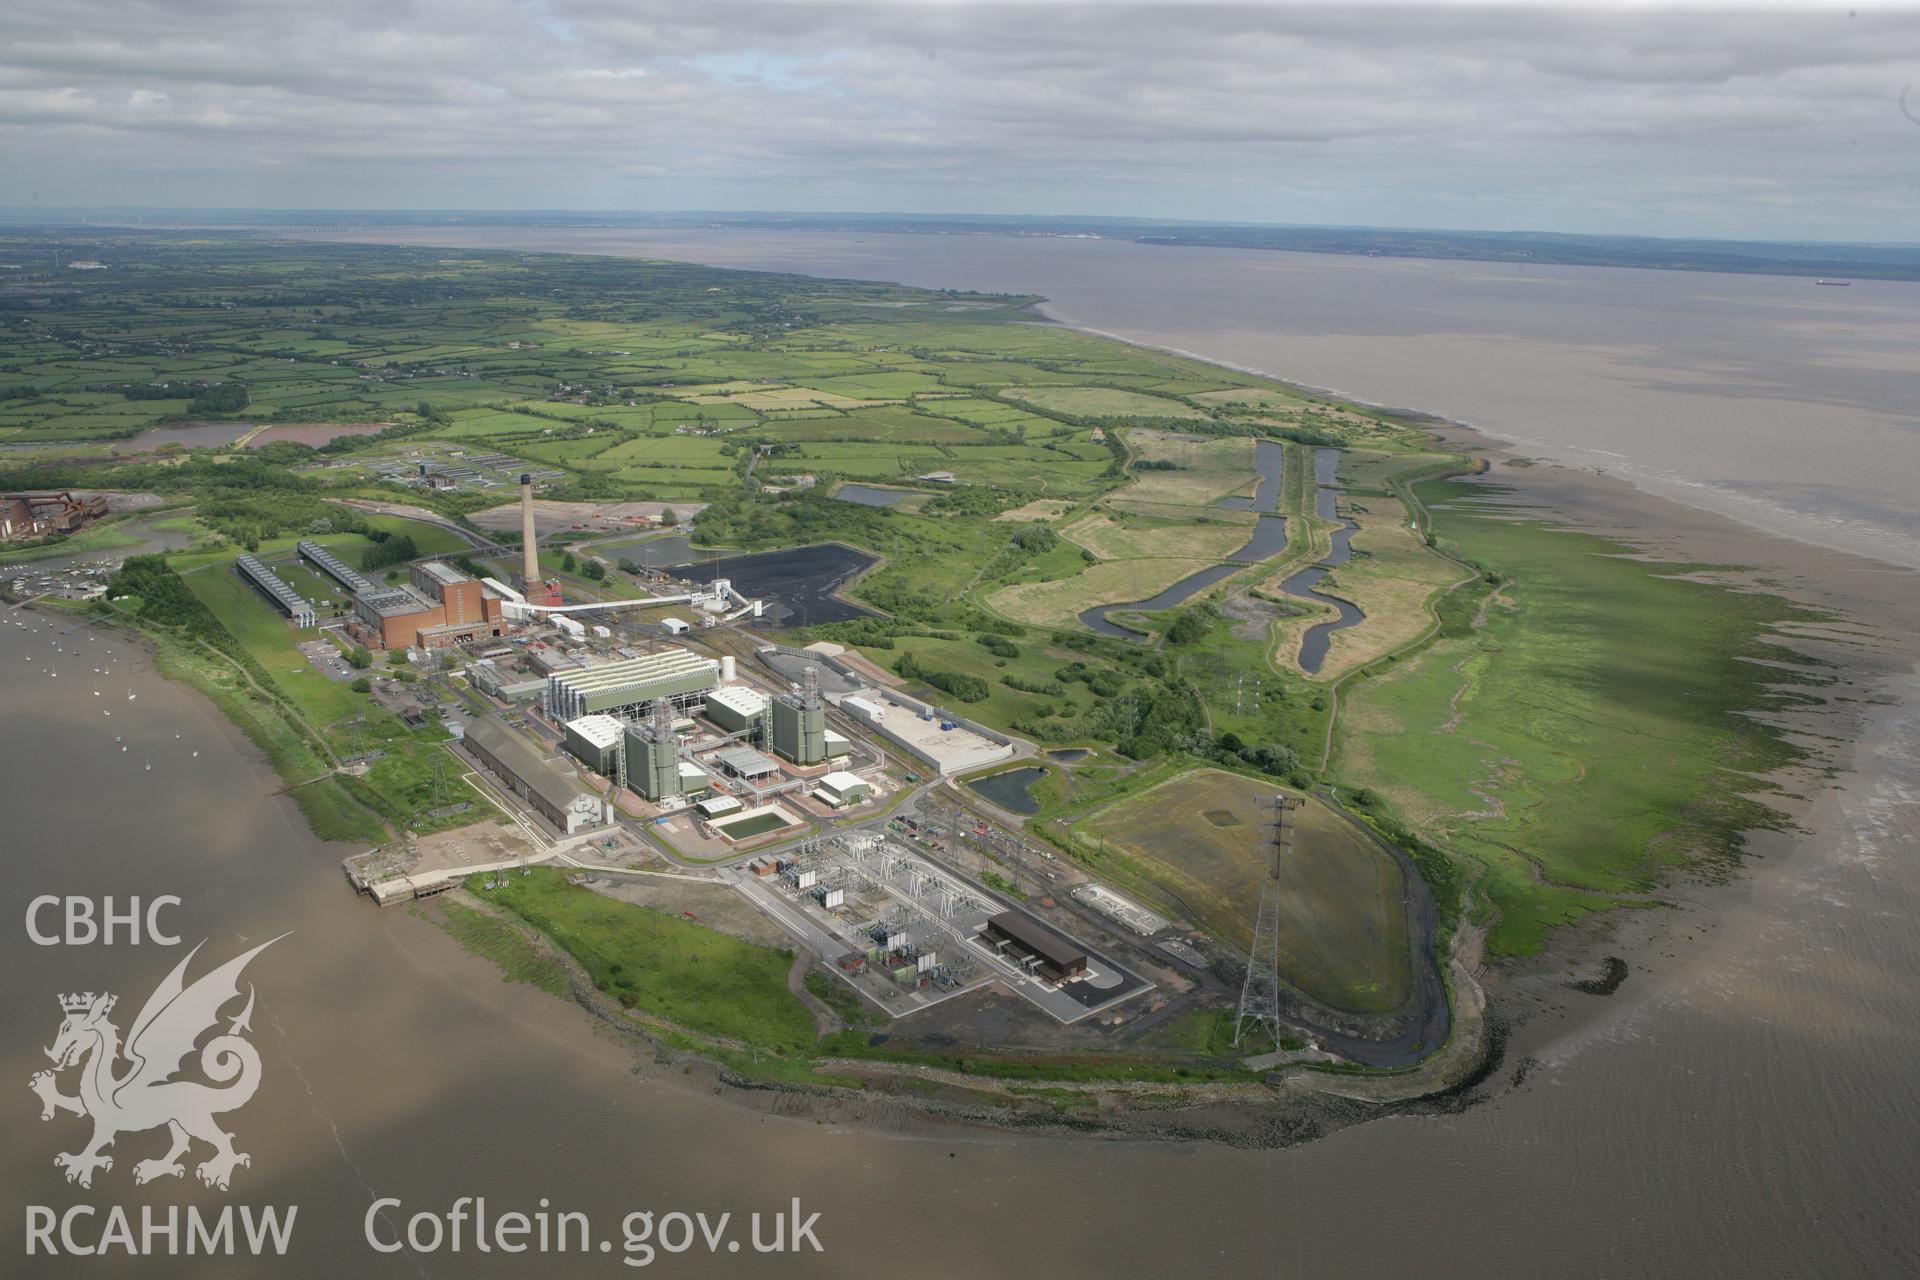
(1319,637)
(1269,539)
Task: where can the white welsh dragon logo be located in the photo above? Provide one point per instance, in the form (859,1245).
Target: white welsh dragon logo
(145,1095)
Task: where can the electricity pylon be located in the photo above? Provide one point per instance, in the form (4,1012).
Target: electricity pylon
(1260,997)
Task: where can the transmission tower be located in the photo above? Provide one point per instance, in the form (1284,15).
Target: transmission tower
(1260,997)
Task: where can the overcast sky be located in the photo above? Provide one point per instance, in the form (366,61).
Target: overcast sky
(1769,123)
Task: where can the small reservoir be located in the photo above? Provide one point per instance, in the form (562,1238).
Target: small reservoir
(1012,790)
(869,496)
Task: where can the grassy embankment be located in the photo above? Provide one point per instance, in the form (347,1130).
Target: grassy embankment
(709,992)
(1597,722)
(520,959)
(1200,844)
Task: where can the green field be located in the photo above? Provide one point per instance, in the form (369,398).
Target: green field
(1594,731)
(660,964)
(1202,840)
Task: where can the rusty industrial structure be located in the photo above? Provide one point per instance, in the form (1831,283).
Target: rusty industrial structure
(38,515)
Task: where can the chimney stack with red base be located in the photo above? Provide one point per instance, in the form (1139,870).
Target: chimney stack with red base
(538,590)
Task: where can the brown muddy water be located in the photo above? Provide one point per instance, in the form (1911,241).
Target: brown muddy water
(1746,1104)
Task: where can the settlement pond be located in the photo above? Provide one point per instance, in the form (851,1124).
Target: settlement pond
(1012,790)
(869,496)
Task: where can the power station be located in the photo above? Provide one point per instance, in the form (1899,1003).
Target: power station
(800,722)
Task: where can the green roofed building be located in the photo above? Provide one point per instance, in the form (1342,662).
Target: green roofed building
(595,742)
(799,731)
(653,763)
(628,687)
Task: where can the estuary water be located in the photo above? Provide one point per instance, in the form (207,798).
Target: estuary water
(1746,1105)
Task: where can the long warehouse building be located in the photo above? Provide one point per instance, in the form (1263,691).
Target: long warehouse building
(509,757)
(628,687)
(333,566)
(283,595)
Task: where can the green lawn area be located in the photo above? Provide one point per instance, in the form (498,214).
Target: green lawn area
(100,537)
(270,639)
(675,969)
(1036,665)
(495,939)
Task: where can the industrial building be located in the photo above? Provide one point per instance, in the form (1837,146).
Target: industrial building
(652,755)
(629,687)
(1036,946)
(34,515)
(871,712)
(596,742)
(334,567)
(800,722)
(746,764)
(289,600)
(562,801)
(437,608)
(799,732)
(489,678)
(718,807)
(841,788)
(736,708)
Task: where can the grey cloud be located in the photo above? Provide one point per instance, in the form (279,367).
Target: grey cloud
(1758,123)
